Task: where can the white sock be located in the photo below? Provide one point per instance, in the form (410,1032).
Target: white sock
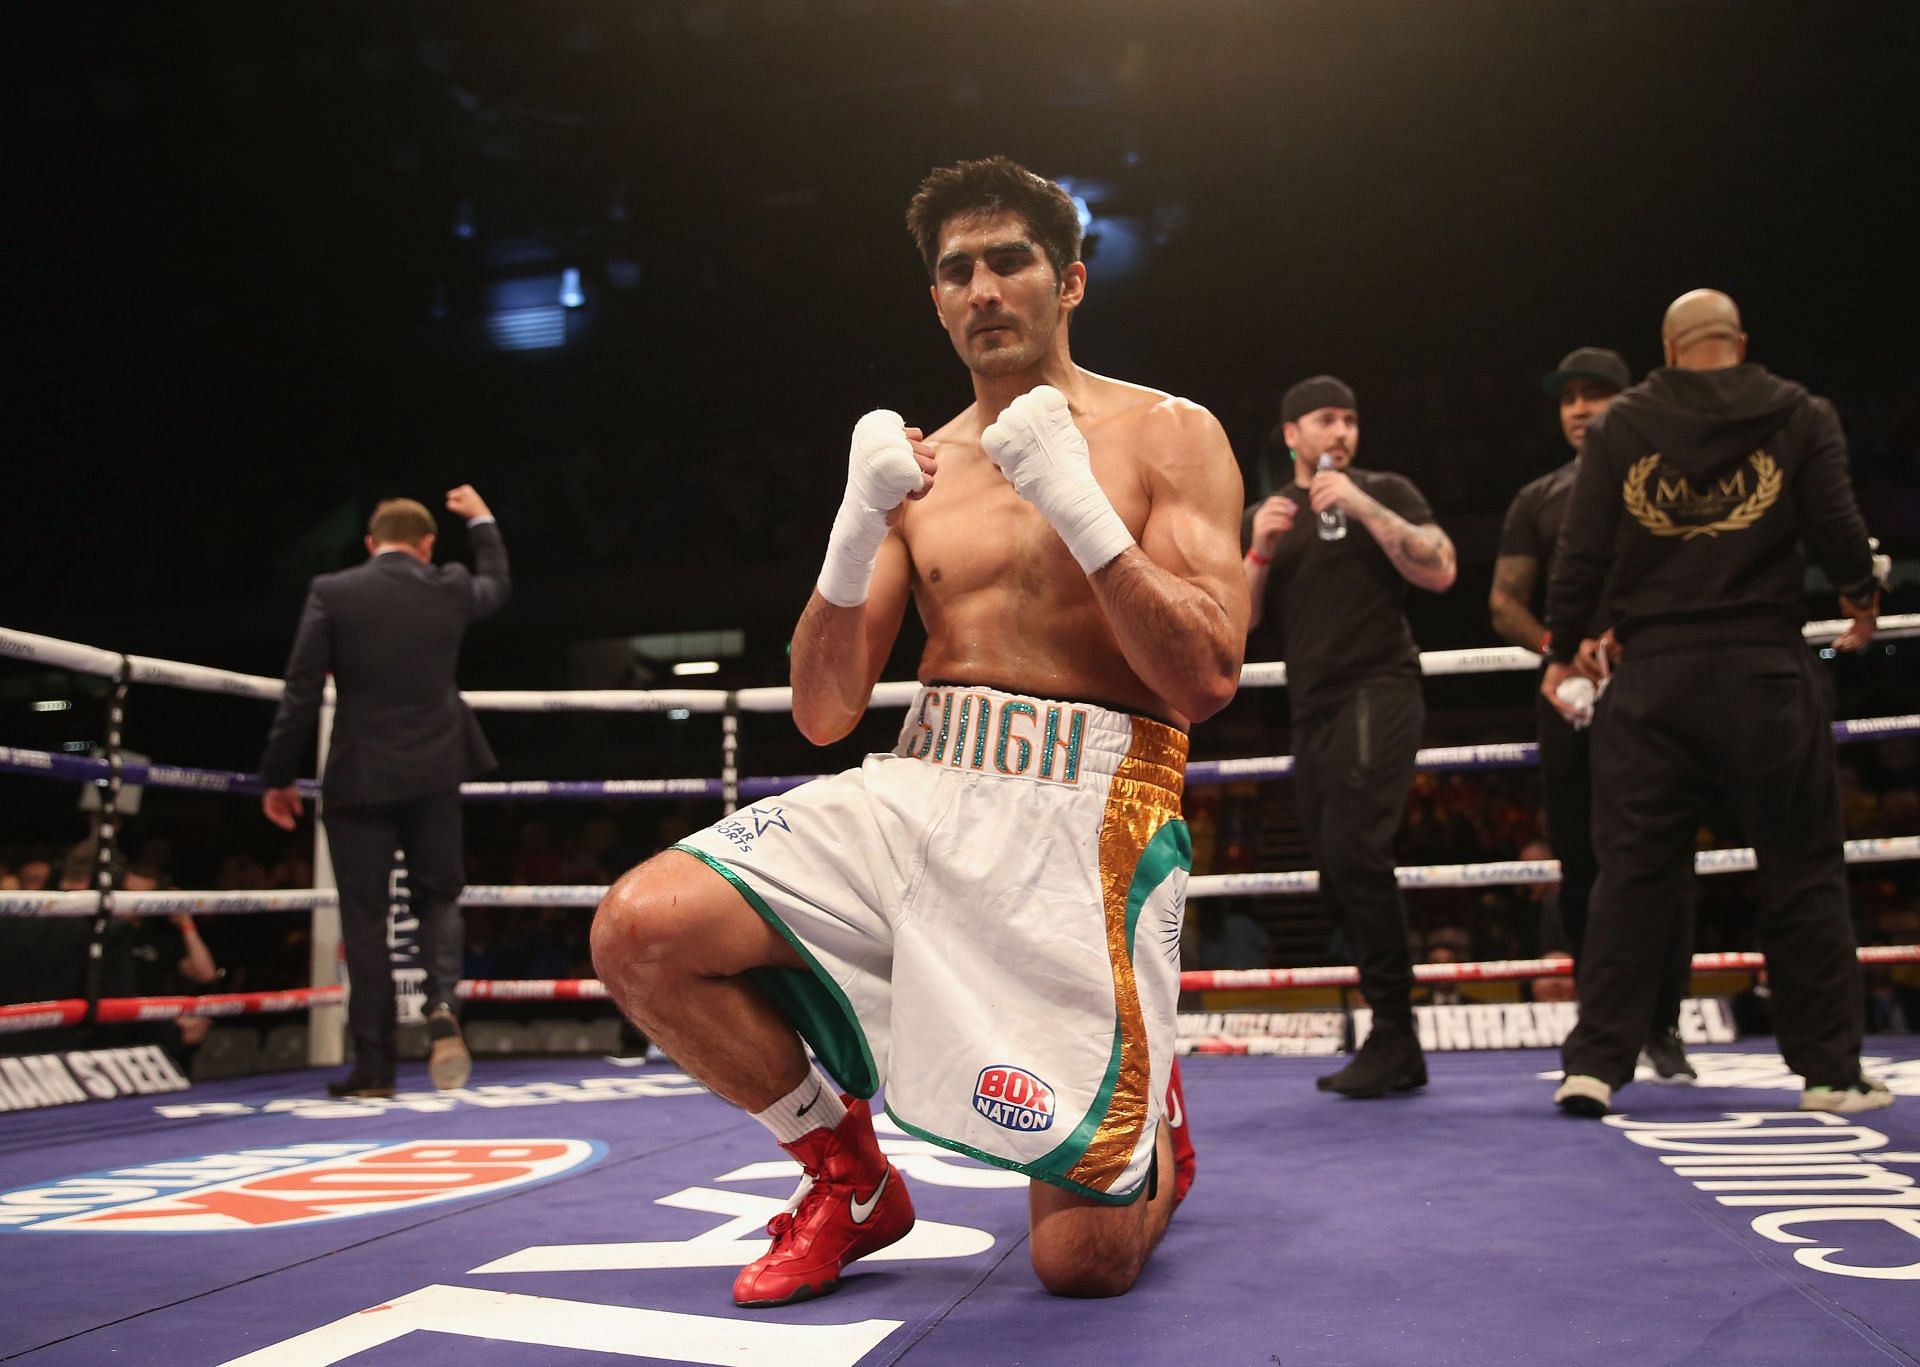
(813,1105)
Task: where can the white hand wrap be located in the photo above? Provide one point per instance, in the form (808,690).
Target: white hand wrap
(881,472)
(1036,446)
(1578,693)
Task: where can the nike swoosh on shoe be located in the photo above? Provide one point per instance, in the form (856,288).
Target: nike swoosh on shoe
(862,1211)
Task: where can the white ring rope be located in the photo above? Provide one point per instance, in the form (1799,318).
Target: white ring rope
(85,659)
(166,903)
(1510,872)
(598,700)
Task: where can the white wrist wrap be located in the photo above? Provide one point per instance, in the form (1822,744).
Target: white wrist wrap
(881,472)
(852,549)
(1037,447)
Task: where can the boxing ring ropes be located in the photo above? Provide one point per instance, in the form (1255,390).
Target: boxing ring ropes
(325,999)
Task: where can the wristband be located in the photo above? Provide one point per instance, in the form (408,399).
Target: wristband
(1257,558)
(1546,644)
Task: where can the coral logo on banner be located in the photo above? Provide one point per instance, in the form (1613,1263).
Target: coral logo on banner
(1013,1098)
(295,1184)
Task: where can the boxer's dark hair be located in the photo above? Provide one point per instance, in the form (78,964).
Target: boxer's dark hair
(400,522)
(990,186)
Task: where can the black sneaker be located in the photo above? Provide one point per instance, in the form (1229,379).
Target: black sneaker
(1667,1056)
(357,1083)
(1389,1061)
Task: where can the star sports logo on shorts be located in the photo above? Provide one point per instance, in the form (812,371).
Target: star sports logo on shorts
(1013,1098)
(753,823)
(294,1184)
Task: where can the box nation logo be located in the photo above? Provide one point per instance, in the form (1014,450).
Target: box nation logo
(1013,1098)
(294,1184)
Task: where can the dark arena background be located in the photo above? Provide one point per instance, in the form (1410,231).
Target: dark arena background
(633,269)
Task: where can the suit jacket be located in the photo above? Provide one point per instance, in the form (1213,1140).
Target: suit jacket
(389,631)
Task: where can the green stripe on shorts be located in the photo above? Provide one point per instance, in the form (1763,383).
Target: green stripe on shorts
(808,997)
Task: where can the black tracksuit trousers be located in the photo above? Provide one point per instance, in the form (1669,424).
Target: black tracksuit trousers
(1351,770)
(1566,789)
(1677,728)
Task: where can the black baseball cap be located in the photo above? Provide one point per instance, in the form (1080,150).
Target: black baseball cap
(1589,363)
(1317,392)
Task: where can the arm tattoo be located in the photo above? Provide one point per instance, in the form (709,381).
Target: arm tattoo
(1514,576)
(1422,554)
(1424,546)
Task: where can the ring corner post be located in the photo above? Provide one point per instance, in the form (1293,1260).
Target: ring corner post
(326,1025)
(730,754)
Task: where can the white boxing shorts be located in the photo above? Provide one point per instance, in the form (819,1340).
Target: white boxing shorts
(991,918)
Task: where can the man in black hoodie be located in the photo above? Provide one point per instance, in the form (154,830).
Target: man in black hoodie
(1696,492)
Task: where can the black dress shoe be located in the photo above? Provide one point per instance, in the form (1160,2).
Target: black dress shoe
(448,1062)
(1390,1061)
(357,1083)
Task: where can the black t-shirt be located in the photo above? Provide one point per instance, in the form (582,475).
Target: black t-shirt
(155,950)
(1532,527)
(1339,607)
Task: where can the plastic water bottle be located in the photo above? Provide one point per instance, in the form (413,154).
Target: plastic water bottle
(1333,521)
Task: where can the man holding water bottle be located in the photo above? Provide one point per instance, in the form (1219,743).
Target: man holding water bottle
(1328,560)
(1586,381)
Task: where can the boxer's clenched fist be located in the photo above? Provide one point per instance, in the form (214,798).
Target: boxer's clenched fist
(887,464)
(1035,444)
(883,470)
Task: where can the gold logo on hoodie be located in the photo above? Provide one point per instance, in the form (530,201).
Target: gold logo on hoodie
(1733,503)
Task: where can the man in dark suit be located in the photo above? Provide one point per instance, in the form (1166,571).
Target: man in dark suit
(389,632)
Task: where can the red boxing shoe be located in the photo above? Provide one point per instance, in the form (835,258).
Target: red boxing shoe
(854,1203)
(1176,1115)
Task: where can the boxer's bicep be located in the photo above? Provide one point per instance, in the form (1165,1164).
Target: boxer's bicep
(1194,513)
